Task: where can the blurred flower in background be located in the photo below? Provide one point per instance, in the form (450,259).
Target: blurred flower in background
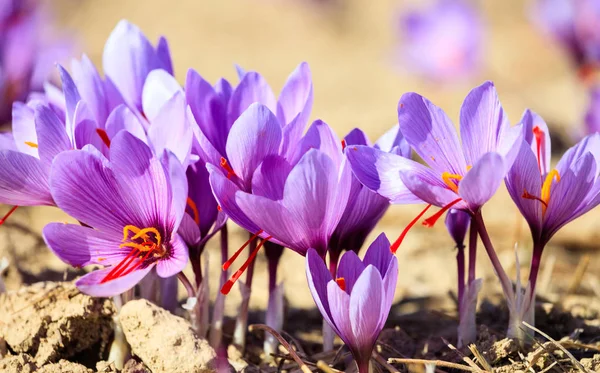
(27,51)
(575,25)
(592,116)
(442,41)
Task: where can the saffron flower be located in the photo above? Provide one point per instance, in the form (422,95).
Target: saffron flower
(357,302)
(365,207)
(592,116)
(443,41)
(457,223)
(132,206)
(27,53)
(573,25)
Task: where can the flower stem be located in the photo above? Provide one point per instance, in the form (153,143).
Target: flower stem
(489,248)
(536,259)
(241,324)
(460,266)
(472,251)
(216,330)
(328,333)
(191,292)
(363,366)
(334,257)
(274,314)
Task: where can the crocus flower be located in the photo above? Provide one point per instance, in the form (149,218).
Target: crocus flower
(457,223)
(27,54)
(357,302)
(574,25)
(549,197)
(443,41)
(460,177)
(135,202)
(365,207)
(592,116)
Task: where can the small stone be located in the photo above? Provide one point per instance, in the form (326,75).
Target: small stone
(53,320)
(134,366)
(64,366)
(163,341)
(21,363)
(106,367)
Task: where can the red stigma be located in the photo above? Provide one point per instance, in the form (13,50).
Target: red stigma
(219,208)
(9,213)
(396,244)
(527,195)
(229,284)
(430,221)
(227,167)
(539,137)
(230,261)
(341,283)
(104,136)
(343,144)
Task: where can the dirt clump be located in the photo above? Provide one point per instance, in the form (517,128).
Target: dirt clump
(163,341)
(50,321)
(64,366)
(21,363)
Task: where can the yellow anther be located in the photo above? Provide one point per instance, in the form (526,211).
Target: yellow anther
(143,233)
(32,144)
(138,246)
(449,180)
(545,196)
(129,229)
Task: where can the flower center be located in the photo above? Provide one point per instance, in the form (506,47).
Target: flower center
(451,180)
(544,198)
(229,284)
(145,243)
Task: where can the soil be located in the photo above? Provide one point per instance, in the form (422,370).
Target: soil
(47,326)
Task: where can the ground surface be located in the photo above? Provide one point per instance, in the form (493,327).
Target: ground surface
(349,47)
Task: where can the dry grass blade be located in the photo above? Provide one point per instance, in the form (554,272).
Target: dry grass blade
(578,275)
(326,368)
(480,359)
(576,363)
(464,358)
(384,363)
(284,343)
(440,363)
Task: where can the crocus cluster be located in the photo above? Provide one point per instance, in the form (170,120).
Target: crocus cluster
(152,170)
(27,51)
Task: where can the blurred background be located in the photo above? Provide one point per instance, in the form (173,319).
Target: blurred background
(363,55)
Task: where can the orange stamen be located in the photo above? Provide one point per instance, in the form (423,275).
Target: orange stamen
(341,283)
(104,136)
(396,244)
(230,261)
(430,221)
(343,144)
(32,144)
(451,180)
(229,284)
(539,137)
(194,208)
(227,167)
(544,198)
(9,213)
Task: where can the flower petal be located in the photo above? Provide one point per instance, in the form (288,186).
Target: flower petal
(170,129)
(322,137)
(269,178)
(296,97)
(394,142)
(23,180)
(176,261)
(91,284)
(159,88)
(51,133)
(365,305)
(81,246)
(528,122)
(318,277)
(482,122)
(482,181)
(255,135)
(23,129)
(122,118)
(350,268)
(424,183)
(379,254)
(199,191)
(380,172)
(339,305)
(91,88)
(431,134)
(357,137)
(189,231)
(252,88)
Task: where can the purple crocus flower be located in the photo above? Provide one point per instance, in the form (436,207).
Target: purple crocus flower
(574,25)
(356,304)
(135,202)
(550,198)
(592,116)
(443,41)
(365,207)
(457,223)
(27,55)
(460,177)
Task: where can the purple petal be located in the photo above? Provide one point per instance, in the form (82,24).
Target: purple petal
(528,122)
(178,183)
(431,134)
(339,305)
(91,87)
(91,284)
(51,133)
(318,277)
(269,178)
(379,254)
(7,141)
(350,268)
(176,261)
(427,185)
(23,129)
(296,97)
(122,118)
(320,136)
(590,143)
(357,137)
(457,223)
(254,136)
(524,176)
(390,279)
(81,246)
(482,122)
(23,180)
(201,194)
(394,142)
(170,129)
(159,88)
(86,134)
(164,54)
(482,181)
(72,99)
(252,88)
(366,310)
(380,172)
(189,231)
